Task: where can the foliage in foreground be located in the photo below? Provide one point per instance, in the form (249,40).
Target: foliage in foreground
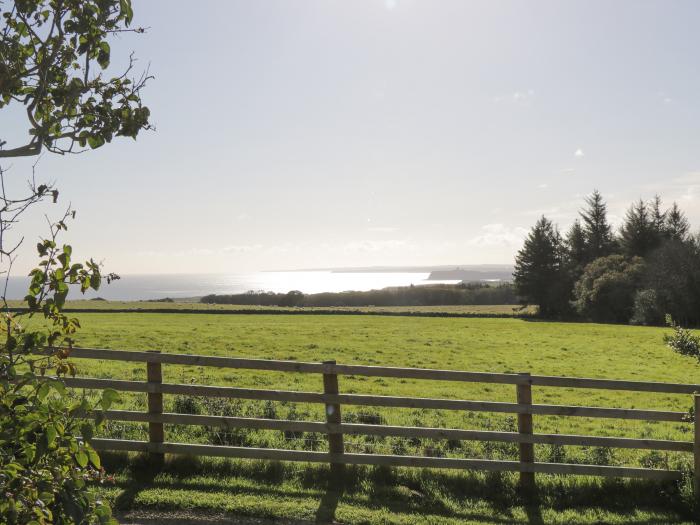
(53,63)
(54,60)
(45,467)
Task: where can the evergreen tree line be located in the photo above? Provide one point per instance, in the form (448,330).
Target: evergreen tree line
(646,269)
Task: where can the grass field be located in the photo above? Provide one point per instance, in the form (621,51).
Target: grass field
(192,305)
(400,496)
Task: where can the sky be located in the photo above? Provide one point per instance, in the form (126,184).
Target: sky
(313,134)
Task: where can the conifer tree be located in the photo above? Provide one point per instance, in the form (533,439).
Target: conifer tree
(658,217)
(638,234)
(575,243)
(677,225)
(540,277)
(598,234)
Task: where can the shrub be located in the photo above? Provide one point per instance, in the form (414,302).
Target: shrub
(46,461)
(600,456)
(606,290)
(645,310)
(556,454)
(365,417)
(187,405)
(682,340)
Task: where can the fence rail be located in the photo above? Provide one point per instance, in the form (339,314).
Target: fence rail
(335,429)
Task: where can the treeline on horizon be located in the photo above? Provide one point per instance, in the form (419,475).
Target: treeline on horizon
(649,268)
(422,295)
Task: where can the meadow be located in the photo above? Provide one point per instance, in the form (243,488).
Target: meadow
(376,495)
(192,305)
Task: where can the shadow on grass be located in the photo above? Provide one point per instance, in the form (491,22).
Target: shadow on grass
(141,476)
(328,505)
(479,497)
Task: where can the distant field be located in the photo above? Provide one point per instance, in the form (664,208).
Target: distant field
(497,345)
(145,306)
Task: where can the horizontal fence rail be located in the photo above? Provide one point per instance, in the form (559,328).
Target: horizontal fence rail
(396,431)
(376,401)
(335,429)
(380,459)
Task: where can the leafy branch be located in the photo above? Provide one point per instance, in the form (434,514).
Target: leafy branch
(53,60)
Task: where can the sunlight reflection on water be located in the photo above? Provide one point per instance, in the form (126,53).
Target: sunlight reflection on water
(135,287)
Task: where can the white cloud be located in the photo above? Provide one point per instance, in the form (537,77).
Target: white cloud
(390,4)
(684,189)
(543,186)
(578,153)
(499,235)
(241,248)
(517,97)
(382,229)
(520,96)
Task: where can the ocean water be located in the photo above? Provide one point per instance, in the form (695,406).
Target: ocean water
(143,287)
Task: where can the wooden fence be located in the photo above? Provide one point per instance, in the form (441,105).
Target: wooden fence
(335,429)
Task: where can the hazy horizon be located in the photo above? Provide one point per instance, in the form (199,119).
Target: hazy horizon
(322,134)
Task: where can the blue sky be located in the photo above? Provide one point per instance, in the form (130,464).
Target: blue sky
(382,132)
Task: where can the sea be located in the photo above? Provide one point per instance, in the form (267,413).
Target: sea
(184,286)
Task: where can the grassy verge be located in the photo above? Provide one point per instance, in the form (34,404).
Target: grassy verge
(384,496)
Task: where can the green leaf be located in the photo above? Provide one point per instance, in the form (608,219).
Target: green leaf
(94,458)
(95,280)
(58,385)
(95,141)
(50,435)
(43,391)
(109,397)
(126,11)
(81,458)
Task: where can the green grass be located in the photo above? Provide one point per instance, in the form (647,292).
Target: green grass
(189,305)
(404,496)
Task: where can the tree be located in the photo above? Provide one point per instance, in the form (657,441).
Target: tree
(677,225)
(658,217)
(641,230)
(54,56)
(597,231)
(292,298)
(606,290)
(540,275)
(673,272)
(576,248)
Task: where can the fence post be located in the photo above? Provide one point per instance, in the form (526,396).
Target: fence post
(154,375)
(335,439)
(696,448)
(527,450)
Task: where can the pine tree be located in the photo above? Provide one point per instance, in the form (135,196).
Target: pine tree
(596,229)
(576,247)
(677,225)
(540,276)
(637,235)
(658,218)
